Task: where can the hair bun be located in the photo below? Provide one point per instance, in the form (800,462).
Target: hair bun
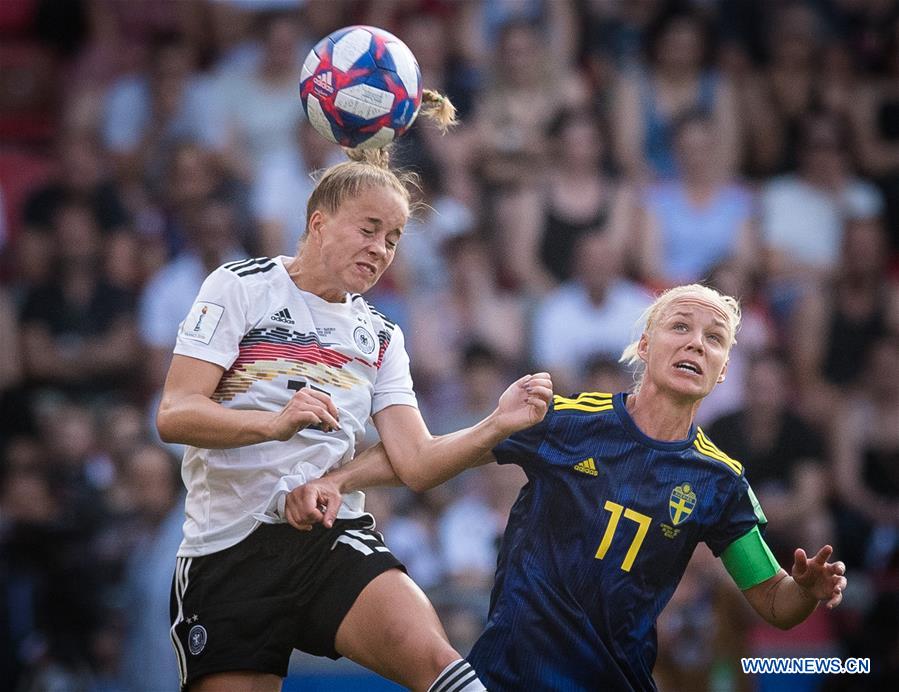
(376,157)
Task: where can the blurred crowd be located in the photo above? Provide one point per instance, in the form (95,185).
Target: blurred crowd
(607,149)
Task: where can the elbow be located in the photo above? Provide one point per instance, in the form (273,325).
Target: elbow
(415,477)
(789,624)
(416,482)
(165,424)
(785,623)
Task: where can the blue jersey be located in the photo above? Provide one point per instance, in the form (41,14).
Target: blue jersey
(596,544)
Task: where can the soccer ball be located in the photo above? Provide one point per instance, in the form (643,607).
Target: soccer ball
(361,87)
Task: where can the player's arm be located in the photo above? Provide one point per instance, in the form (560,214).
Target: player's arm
(410,455)
(319,499)
(422,461)
(781,599)
(400,428)
(188,415)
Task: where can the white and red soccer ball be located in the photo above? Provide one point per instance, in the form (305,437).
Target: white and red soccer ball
(361,87)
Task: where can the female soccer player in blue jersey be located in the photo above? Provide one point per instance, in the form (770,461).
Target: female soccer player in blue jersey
(620,490)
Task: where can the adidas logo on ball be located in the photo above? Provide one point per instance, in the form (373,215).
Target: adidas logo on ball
(324,83)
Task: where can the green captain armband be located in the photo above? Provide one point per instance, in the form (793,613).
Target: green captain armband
(749,561)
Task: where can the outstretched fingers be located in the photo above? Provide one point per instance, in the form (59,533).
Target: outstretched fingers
(836,571)
(822,579)
(823,554)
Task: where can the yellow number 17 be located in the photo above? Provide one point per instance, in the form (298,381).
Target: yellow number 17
(643,523)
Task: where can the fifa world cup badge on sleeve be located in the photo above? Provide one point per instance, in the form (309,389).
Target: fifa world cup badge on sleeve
(201,321)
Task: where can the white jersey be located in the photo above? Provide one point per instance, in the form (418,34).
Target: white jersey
(272,339)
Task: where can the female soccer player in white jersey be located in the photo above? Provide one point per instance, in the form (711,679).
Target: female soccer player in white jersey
(277,368)
(621,488)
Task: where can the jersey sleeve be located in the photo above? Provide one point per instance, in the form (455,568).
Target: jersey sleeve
(393,384)
(521,448)
(217,321)
(740,515)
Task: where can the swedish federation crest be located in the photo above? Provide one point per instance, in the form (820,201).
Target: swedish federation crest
(196,639)
(681,503)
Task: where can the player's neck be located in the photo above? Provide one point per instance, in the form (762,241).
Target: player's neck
(659,416)
(308,277)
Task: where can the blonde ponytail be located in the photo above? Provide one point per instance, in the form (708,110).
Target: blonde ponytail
(438,108)
(434,106)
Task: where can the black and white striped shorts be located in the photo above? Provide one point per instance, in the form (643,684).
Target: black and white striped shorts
(248,607)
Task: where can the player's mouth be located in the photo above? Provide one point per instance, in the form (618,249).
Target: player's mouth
(367,268)
(688,366)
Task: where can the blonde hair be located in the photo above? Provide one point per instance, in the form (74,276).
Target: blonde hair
(371,167)
(729,307)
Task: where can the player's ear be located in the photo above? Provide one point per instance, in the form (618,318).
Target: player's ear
(723,374)
(316,223)
(643,347)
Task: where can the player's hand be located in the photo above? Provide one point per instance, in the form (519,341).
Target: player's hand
(821,579)
(525,402)
(312,503)
(306,407)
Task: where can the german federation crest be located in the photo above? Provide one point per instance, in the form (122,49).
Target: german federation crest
(196,639)
(681,503)
(365,342)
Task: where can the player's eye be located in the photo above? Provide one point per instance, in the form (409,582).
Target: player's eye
(717,338)
(680,327)
(366,231)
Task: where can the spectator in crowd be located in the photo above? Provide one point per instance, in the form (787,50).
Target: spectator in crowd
(776,100)
(836,327)
(147,113)
(473,307)
(52,508)
(865,440)
(784,457)
(424,264)
(471,527)
(700,219)
(575,197)
(482,378)
(193,177)
(803,213)
(168,295)
(78,331)
(617,34)
(256,113)
(875,127)
(593,313)
(508,143)
(675,80)
(81,177)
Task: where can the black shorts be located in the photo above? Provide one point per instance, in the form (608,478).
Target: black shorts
(279,589)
